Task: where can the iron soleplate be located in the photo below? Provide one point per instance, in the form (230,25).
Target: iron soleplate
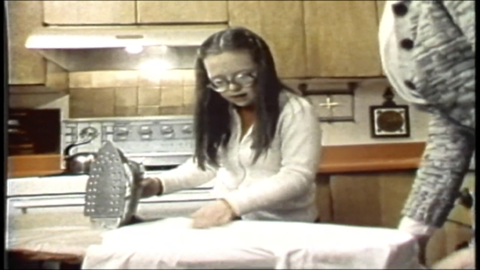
(108,191)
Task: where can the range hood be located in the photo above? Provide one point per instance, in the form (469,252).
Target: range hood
(81,48)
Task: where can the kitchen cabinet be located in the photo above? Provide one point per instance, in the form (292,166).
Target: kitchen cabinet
(315,38)
(281,24)
(380,8)
(323,198)
(33,165)
(370,199)
(182,11)
(342,38)
(25,67)
(88,12)
(376,199)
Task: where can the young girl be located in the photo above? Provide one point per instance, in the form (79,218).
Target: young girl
(254,136)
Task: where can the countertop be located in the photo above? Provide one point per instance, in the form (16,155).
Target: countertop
(370,157)
(335,160)
(65,244)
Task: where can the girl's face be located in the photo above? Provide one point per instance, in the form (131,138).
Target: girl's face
(233,74)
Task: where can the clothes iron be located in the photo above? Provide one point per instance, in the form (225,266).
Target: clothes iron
(113,188)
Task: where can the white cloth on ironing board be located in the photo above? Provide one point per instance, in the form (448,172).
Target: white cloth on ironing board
(173,244)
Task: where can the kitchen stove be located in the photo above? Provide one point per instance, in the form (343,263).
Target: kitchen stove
(160,143)
(154,141)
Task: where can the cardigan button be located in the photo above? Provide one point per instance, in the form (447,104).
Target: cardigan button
(410,85)
(399,9)
(406,43)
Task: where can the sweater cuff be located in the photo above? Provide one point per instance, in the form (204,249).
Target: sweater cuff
(238,203)
(415,228)
(160,186)
(169,181)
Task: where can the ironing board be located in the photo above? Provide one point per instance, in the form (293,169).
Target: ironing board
(173,244)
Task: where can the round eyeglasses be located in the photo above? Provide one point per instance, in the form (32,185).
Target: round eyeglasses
(242,78)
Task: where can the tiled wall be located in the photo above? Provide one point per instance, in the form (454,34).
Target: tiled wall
(39,98)
(130,93)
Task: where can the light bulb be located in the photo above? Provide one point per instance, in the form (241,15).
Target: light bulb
(134,49)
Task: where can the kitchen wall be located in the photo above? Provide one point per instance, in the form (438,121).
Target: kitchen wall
(132,93)
(39,97)
(53,94)
(368,93)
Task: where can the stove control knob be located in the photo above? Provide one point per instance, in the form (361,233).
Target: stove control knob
(121,131)
(89,132)
(187,129)
(167,130)
(145,130)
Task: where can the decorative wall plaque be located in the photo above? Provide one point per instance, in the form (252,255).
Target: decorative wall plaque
(389,120)
(333,102)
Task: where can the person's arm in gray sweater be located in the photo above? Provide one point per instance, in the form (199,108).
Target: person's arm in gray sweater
(448,151)
(443,167)
(462,14)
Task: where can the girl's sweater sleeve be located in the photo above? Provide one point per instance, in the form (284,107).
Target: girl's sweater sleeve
(187,175)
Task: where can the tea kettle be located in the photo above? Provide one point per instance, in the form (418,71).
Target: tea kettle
(79,163)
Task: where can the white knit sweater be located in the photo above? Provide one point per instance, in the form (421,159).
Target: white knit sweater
(280,185)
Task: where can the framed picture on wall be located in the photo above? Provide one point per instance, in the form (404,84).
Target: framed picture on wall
(389,121)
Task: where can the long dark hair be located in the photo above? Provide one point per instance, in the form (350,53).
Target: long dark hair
(212,111)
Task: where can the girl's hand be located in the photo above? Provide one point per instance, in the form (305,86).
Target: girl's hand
(214,214)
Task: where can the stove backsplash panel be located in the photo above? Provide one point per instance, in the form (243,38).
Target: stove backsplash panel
(131,93)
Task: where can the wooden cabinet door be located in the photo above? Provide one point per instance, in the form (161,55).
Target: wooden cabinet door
(182,11)
(370,199)
(24,66)
(89,12)
(380,8)
(342,38)
(377,199)
(280,23)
